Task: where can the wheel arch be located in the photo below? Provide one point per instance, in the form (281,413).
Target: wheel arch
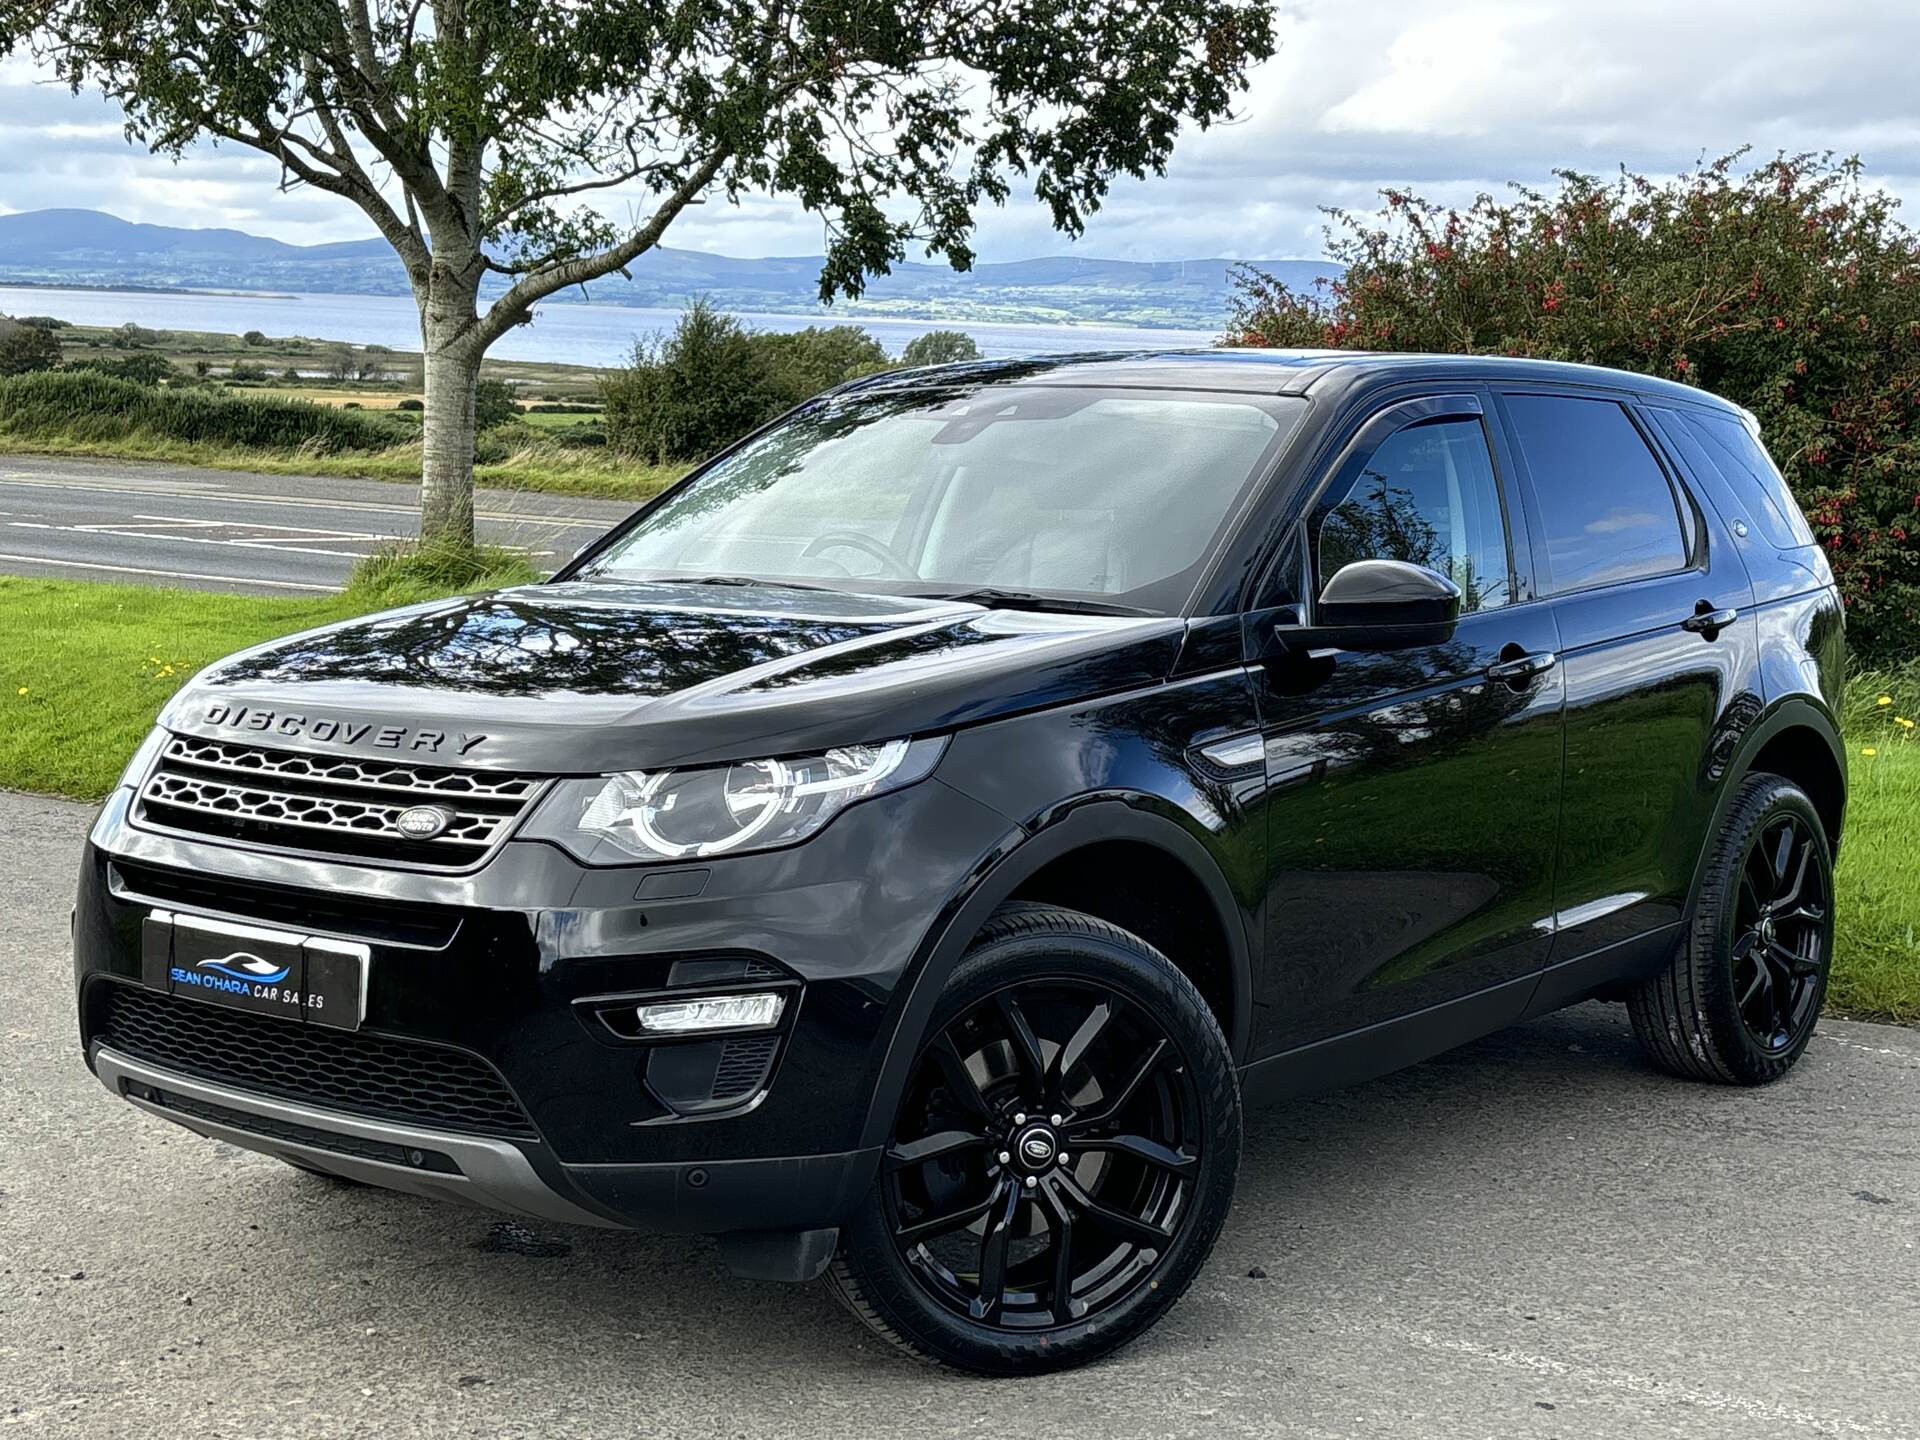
(1045,866)
(1798,739)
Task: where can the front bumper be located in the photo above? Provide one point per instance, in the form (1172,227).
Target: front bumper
(506,964)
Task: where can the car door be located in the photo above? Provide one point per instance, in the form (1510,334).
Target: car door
(1413,796)
(1654,609)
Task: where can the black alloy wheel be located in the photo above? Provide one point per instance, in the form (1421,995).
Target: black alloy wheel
(1781,923)
(1741,996)
(1055,1174)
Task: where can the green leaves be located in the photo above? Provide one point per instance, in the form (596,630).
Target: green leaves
(496,117)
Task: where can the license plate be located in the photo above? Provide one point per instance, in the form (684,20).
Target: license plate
(310,978)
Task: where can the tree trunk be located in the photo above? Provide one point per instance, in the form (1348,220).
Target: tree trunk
(446,464)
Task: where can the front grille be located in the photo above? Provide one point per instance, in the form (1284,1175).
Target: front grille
(333,805)
(379,1076)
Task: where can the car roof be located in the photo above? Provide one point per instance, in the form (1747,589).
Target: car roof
(1277,372)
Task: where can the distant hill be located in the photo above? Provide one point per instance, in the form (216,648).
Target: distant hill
(89,247)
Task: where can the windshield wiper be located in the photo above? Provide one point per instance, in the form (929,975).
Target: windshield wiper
(995,598)
(753,581)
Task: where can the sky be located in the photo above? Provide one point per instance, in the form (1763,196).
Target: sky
(1447,97)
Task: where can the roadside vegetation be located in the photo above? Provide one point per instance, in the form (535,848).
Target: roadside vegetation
(194,398)
(88,666)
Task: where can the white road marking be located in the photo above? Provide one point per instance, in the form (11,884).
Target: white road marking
(277,546)
(1612,1378)
(170,574)
(382,506)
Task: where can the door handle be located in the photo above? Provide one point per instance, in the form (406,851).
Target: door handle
(1709,622)
(1523,667)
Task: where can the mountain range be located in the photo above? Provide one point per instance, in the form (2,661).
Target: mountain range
(92,248)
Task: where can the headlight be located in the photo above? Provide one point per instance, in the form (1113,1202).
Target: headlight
(722,809)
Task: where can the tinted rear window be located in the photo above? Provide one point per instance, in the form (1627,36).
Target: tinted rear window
(1607,508)
(1731,449)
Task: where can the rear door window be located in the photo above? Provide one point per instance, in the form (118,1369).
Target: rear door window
(1607,509)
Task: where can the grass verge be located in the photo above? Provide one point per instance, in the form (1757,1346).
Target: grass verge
(1877,967)
(87,666)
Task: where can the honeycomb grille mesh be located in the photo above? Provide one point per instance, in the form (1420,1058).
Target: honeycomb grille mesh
(336,805)
(374,1075)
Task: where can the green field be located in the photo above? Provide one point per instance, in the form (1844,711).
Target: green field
(533,452)
(87,666)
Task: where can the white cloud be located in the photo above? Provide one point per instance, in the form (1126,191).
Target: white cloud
(1450,97)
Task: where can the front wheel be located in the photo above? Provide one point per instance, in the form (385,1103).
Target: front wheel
(1062,1159)
(1738,1002)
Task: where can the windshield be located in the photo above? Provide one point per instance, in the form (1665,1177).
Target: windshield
(1111,497)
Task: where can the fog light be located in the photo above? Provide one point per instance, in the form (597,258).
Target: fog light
(712,1012)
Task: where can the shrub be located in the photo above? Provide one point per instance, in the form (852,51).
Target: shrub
(131,336)
(253,337)
(940,347)
(410,404)
(712,380)
(805,362)
(245,372)
(1788,288)
(89,405)
(493,404)
(45,322)
(25,348)
(692,392)
(144,369)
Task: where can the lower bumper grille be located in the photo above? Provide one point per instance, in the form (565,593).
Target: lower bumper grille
(378,1076)
(264,1126)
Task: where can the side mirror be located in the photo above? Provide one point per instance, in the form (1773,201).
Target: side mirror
(1379,605)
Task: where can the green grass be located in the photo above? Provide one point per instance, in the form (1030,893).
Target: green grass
(85,667)
(1877,967)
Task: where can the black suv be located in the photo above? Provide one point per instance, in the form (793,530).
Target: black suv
(903,846)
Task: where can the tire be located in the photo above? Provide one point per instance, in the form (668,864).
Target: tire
(1739,1000)
(1129,1155)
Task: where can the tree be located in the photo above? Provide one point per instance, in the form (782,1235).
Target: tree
(493,404)
(469,131)
(690,393)
(1787,287)
(26,347)
(802,363)
(940,347)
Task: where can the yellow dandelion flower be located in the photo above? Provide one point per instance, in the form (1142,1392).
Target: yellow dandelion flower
(1884,700)
(1868,750)
(1902,720)
(23,689)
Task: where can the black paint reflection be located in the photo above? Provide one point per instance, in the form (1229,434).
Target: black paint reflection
(537,642)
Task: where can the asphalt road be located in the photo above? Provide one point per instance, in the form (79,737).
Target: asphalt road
(1535,1236)
(225,530)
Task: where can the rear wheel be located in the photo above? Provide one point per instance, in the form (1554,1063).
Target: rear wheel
(1739,1000)
(1063,1157)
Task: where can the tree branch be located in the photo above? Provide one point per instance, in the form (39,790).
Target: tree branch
(511,308)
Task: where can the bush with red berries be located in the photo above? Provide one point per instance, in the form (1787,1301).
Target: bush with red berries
(1787,287)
